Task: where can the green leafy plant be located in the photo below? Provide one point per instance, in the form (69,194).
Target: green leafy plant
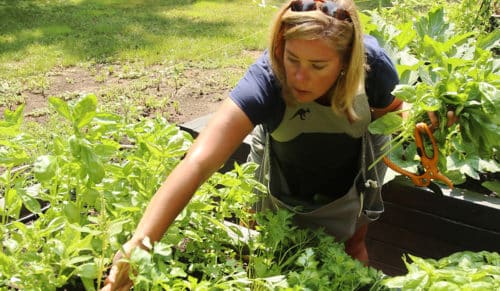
(442,70)
(459,271)
(90,186)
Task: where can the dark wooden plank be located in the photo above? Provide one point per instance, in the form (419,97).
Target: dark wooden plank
(387,269)
(194,127)
(443,229)
(402,192)
(409,241)
(387,244)
(239,156)
(386,257)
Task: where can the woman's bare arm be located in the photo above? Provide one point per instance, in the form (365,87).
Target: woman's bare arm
(221,137)
(217,141)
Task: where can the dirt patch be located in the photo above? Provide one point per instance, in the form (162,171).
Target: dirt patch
(180,94)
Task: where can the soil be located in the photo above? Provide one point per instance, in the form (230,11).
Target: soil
(178,95)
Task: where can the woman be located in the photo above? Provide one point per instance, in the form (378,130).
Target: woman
(306,100)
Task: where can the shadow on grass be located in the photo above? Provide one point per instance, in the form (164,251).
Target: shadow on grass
(96,30)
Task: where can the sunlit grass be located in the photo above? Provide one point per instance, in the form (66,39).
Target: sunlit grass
(40,37)
(37,36)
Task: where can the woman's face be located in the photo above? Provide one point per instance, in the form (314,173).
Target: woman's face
(311,68)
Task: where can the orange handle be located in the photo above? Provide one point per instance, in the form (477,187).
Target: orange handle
(429,164)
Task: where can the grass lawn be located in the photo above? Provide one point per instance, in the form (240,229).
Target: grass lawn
(134,42)
(152,56)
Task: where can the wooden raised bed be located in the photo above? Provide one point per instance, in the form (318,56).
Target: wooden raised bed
(416,220)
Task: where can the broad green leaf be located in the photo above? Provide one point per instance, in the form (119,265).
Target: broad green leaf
(45,168)
(116,227)
(430,103)
(92,165)
(77,244)
(432,25)
(84,110)
(489,166)
(54,225)
(89,196)
(434,49)
(417,280)
(396,282)
(494,186)
(153,149)
(406,93)
(455,176)
(75,146)
(162,249)
(14,118)
(6,260)
(481,286)
(200,206)
(72,212)
(425,76)
(106,118)
(140,257)
(80,259)
(88,283)
(387,124)
(490,95)
(107,148)
(59,143)
(11,197)
(444,286)
(12,157)
(490,41)
(31,204)
(86,229)
(88,270)
(11,245)
(8,130)
(178,272)
(470,170)
(407,35)
(61,107)
(423,264)
(451,44)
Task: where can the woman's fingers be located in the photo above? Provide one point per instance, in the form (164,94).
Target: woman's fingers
(434,120)
(118,278)
(451,118)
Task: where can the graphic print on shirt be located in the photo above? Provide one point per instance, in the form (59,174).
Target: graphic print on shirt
(302,113)
(313,117)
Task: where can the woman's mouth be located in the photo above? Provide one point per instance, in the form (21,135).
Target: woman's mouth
(301,92)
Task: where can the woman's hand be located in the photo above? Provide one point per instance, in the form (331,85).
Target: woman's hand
(451,118)
(118,278)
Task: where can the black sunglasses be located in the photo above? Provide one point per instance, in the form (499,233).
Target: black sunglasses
(328,7)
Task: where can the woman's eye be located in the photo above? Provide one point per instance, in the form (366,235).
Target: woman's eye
(318,67)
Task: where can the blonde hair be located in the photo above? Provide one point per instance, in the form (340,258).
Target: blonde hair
(344,36)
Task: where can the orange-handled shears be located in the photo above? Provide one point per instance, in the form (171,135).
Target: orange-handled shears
(430,164)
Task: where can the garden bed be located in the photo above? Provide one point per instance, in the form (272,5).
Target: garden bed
(420,222)
(416,220)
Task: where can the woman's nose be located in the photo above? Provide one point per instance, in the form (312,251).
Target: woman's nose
(301,74)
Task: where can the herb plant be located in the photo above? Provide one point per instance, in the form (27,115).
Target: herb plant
(87,191)
(459,271)
(442,70)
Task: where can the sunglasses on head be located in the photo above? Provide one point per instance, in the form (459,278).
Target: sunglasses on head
(328,7)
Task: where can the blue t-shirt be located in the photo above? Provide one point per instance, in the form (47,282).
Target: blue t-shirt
(316,150)
(258,93)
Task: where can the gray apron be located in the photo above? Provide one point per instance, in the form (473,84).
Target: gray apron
(340,218)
